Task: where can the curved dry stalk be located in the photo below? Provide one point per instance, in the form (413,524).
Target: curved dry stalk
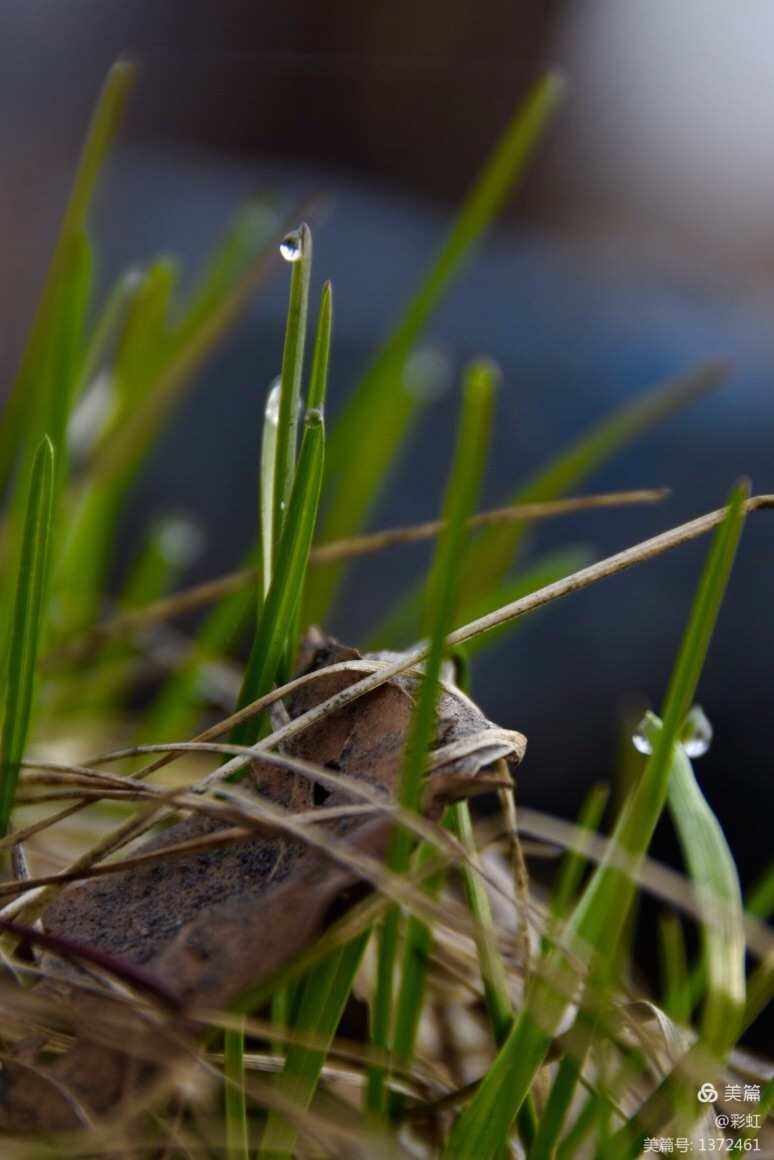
(584,578)
(382,672)
(200,595)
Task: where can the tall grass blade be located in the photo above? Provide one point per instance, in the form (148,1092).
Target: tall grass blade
(497,546)
(27,625)
(104,124)
(237,1147)
(597,920)
(266,488)
(441,606)
(380,413)
(402,625)
(288,579)
(712,869)
(290,377)
(324,994)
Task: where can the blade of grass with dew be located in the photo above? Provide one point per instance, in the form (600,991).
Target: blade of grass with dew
(237,1147)
(323,997)
(711,866)
(380,413)
(299,245)
(713,872)
(287,582)
(26,625)
(483,1126)
(266,485)
(318,387)
(442,592)
(102,130)
(212,307)
(497,547)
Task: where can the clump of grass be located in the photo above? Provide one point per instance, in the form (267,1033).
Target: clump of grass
(558,1057)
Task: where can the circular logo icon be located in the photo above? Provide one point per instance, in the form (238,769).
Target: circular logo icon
(707,1094)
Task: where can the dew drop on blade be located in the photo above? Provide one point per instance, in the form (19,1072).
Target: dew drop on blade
(290,246)
(696,736)
(271,413)
(641,737)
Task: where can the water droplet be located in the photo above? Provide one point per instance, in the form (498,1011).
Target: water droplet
(290,246)
(180,540)
(697,733)
(427,374)
(643,735)
(273,403)
(92,412)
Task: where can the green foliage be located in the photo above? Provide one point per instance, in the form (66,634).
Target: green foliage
(97,385)
(383,409)
(26,625)
(598,918)
(440,605)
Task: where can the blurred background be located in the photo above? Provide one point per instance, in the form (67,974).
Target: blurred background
(641,243)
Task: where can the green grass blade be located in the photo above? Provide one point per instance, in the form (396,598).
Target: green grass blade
(104,124)
(227,264)
(482,1128)
(574,862)
(417,943)
(496,548)
(401,627)
(441,605)
(316,395)
(266,488)
(80,575)
(290,377)
(237,1147)
(26,625)
(170,546)
(324,996)
(287,582)
(568,1073)
(713,872)
(107,328)
(318,375)
(380,413)
(177,707)
(189,344)
(674,969)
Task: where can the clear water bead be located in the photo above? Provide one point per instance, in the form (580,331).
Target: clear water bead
(271,413)
(290,246)
(180,540)
(642,736)
(697,733)
(695,736)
